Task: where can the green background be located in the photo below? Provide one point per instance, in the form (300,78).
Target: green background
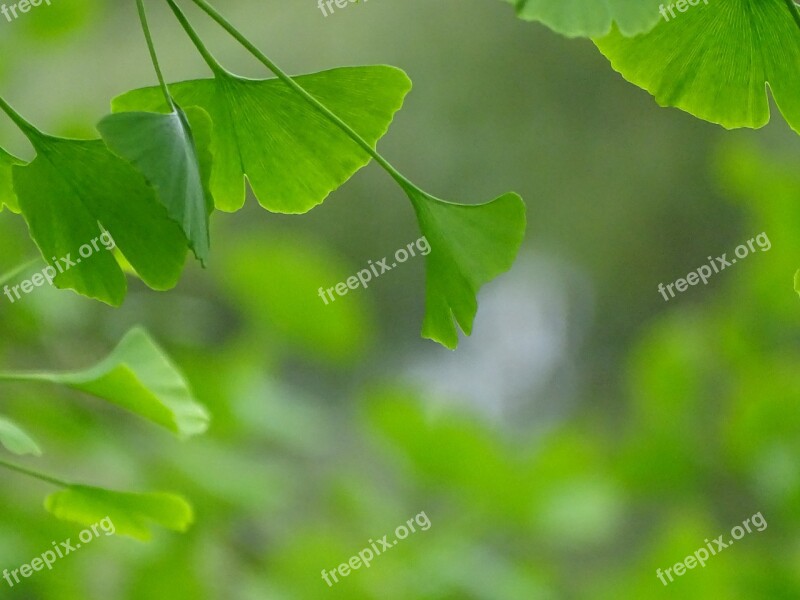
(587,434)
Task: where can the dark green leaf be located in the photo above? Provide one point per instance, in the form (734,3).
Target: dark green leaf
(167,151)
(73,185)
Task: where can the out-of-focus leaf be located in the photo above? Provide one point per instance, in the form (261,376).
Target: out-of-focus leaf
(15,440)
(797,282)
(280,294)
(139,377)
(132,514)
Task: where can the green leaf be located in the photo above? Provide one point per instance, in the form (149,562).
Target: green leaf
(166,149)
(291,155)
(132,514)
(797,282)
(721,77)
(15,440)
(7,195)
(470,245)
(590,18)
(139,377)
(74,184)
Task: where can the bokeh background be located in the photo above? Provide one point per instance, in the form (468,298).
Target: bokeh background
(587,434)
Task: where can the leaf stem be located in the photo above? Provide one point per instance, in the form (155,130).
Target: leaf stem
(29,130)
(32,376)
(17,270)
(34,474)
(153,57)
(212,62)
(280,74)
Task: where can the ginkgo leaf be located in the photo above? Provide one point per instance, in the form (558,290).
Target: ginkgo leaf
(139,377)
(470,245)
(130,514)
(70,187)
(7,195)
(717,61)
(292,156)
(167,150)
(591,18)
(15,440)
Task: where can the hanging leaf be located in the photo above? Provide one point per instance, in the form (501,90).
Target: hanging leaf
(717,62)
(131,514)
(591,18)
(292,156)
(470,246)
(15,440)
(139,377)
(74,184)
(7,195)
(169,152)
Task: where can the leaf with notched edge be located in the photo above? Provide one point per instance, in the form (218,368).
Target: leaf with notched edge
(292,156)
(718,62)
(70,187)
(470,246)
(591,18)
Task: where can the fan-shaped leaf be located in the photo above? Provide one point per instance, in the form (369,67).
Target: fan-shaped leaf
(167,150)
(590,18)
(292,156)
(716,61)
(74,184)
(470,246)
(132,515)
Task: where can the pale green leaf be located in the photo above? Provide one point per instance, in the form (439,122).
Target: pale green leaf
(139,377)
(132,515)
(15,440)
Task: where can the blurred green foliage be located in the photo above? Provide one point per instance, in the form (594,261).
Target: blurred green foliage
(682,418)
